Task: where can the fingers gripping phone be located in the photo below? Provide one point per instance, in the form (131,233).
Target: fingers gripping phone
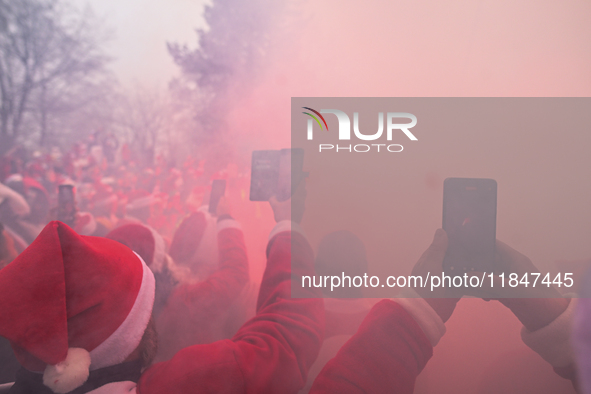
(218,189)
(470,221)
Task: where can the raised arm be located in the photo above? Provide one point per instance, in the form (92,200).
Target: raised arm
(395,340)
(271,353)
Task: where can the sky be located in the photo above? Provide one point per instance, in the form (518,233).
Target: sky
(141,29)
(453,48)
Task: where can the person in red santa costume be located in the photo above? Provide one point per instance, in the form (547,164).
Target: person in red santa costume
(396,339)
(79,319)
(187,308)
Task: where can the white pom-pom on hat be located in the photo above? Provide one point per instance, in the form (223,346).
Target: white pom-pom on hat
(69,374)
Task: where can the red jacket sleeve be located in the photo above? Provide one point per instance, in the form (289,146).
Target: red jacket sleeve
(384,356)
(222,287)
(192,309)
(271,353)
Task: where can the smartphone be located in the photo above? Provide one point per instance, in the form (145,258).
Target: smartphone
(218,189)
(291,164)
(470,221)
(275,173)
(264,174)
(66,205)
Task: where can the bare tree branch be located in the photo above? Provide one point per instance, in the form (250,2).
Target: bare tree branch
(51,62)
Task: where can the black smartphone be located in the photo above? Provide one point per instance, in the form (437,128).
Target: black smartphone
(66,205)
(264,174)
(470,221)
(218,189)
(291,164)
(275,173)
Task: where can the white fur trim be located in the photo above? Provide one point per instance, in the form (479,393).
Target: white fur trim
(424,315)
(552,342)
(286,225)
(228,223)
(142,202)
(159,251)
(68,374)
(127,337)
(14,178)
(126,387)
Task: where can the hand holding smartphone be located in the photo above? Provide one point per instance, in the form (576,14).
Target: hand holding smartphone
(218,189)
(276,173)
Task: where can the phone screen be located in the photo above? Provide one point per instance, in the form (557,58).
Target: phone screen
(264,174)
(469,219)
(275,173)
(218,188)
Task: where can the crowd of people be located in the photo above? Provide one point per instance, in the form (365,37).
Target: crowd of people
(143,290)
(109,187)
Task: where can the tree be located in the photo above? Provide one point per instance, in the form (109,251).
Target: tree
(232,55)
(51,66)
(143,119)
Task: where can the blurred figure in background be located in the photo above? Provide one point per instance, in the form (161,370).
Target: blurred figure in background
(198,306)
(36,196)
(14,210)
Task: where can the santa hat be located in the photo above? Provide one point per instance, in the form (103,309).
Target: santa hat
(24,184)
(74,303)
(145,241)
(31,183)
